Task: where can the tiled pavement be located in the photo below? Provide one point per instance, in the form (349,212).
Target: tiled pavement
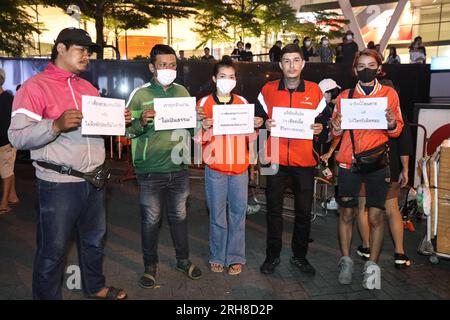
(123,262)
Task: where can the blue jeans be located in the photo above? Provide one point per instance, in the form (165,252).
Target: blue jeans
(226,234)
(61,208)
(158,190)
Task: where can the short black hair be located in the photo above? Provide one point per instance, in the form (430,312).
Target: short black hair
(160,49)
(54,55)
(226,62)
(278,41)
(248,45)
(291,48)
(206,48)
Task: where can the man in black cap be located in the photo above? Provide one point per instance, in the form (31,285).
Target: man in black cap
(46,119)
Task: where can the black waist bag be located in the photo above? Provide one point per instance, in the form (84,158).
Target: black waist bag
(98,177)
(370,160)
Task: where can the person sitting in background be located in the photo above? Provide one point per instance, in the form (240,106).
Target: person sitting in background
(181,56)
(238,52)
(275,52)
(207,56)
(307,48)
(325,52)
(247,55)
(417,52)
(393,57)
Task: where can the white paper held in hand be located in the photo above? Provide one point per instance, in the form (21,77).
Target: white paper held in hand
(366,113)
(175,113)
(102,116)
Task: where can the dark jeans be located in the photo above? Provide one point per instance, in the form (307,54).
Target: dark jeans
(61,208)
(303,185)
(172,189)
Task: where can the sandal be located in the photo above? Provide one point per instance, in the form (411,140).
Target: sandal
(234,269)
(216,267)
(147,281)
(111,294)
(5,210)
(190,270)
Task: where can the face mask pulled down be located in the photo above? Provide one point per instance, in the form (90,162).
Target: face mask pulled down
(225,86)
(166,76)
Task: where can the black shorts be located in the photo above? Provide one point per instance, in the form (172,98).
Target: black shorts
(376,183)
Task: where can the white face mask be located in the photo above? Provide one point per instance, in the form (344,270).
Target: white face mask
(349,37)
(166,76)
(325,42)
(307,43)
(225,86)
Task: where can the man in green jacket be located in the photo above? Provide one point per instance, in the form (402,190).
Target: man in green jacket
(160,178)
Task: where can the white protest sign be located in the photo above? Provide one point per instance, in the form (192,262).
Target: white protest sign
(293,123)
(175,113)
(102,116)
(233,119)
(367,113)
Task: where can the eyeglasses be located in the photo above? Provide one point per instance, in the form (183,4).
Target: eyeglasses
(83,49)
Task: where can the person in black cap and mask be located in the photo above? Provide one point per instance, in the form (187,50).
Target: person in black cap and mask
(46,119)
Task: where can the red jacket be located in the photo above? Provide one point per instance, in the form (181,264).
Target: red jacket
(292,152)
(227,154)
(367,139)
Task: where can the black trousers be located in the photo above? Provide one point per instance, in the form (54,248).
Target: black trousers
(303,185)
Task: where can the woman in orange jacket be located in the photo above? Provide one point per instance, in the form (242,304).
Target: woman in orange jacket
(366,66)
(226,175)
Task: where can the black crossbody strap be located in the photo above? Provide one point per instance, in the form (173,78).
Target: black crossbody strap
(350,96)
(61,169)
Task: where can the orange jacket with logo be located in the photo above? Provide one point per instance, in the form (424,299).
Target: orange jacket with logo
(292,152)
(227,154)
(367,139)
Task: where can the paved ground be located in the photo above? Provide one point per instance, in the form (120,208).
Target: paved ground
(123,262)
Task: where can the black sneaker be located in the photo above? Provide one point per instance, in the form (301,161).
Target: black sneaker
(303,265)
(401,261)
(364,253)
(268,267)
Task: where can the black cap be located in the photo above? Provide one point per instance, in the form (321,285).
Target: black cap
(77,36)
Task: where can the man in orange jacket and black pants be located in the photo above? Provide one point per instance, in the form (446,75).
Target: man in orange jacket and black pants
(296,159)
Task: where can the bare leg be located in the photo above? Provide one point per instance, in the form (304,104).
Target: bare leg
(363,222)
(6,190)
(376,222)
(13,198)
(395,224)
(345,225)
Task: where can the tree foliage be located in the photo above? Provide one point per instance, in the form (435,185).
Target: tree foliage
(126,14)
(16,27)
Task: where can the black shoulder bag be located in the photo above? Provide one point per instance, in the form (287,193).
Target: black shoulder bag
(370,160)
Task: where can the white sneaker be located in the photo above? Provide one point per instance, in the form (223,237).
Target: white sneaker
(252,209)
(331,204)
(346,273)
